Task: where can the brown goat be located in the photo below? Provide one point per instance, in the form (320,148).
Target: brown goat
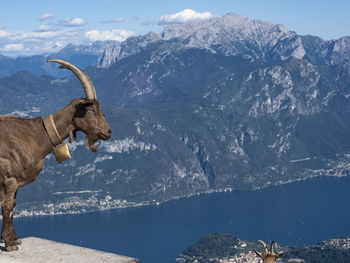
(24,143)
(269,256)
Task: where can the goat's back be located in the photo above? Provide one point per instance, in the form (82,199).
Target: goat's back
(8,117)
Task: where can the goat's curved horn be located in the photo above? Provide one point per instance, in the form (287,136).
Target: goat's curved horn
(259,254)
(265,246)
(81,75)
(271,247)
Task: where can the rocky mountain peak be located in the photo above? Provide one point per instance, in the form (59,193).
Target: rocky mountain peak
(95,48)
(236,26)
(121,50)
(230,34)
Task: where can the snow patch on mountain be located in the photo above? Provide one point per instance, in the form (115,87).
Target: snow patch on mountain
(88,168)
(235,148)
(126,145)
(101,158)
(26,113)
(75,144)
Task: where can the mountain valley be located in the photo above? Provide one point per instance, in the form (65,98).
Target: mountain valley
(229,103)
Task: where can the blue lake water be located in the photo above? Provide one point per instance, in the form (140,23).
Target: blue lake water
(300,213)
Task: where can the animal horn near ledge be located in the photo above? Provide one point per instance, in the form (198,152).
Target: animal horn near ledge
(271,247)
(81,75)
(265,246)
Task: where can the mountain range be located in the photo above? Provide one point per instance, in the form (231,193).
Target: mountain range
(226,103)
(234,35)
(231,35)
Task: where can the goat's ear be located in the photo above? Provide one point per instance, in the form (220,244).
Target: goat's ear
(86,103)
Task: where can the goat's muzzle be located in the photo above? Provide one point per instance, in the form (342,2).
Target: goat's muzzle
(105,136)
(99,136)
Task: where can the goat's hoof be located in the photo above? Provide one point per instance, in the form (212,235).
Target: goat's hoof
(11,248)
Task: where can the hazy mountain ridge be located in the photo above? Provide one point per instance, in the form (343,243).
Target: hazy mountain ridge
(80,55)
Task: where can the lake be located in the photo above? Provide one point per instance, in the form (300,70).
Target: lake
(300,213)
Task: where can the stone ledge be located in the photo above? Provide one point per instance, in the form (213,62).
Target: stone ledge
(37,250)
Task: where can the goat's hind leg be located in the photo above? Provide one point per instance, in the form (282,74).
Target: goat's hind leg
(8,235)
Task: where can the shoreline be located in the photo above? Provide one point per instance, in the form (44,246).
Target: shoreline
(105,205)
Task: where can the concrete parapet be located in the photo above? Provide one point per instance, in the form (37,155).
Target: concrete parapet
(37,250)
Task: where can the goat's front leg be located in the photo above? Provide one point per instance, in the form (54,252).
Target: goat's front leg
(12,227)
(8,235)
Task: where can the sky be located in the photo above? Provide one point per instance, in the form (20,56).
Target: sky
(30,27)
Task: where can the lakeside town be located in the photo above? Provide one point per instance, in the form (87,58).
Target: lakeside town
(76,205)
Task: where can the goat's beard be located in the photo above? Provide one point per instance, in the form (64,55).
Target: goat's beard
(91,142)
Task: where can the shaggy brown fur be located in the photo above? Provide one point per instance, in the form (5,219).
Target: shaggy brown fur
(24,144)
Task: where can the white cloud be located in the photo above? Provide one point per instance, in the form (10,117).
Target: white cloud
(29,36)
(72,22)
(184,16)
(45,16)
(116,34)
(113,21)
(43,28)
(51,39)
(3,33)
(37,42)
(13,47)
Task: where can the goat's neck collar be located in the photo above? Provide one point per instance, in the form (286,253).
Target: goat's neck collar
(51,130)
